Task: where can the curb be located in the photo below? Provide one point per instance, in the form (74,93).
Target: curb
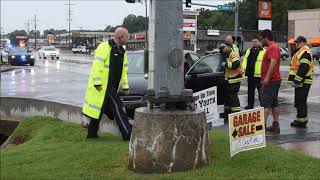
(20,107)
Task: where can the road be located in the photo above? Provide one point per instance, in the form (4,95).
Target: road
(65,81)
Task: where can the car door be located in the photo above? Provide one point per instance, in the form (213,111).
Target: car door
(206,73)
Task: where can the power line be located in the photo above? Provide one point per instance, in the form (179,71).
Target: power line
(28,26)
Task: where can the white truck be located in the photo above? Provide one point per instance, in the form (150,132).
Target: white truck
(81,50)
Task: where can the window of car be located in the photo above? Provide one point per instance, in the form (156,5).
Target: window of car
(135,63)
(208,64)
(18,50)
(50,49)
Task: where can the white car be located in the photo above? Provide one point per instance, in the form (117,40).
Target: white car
(81,50)
(49,52)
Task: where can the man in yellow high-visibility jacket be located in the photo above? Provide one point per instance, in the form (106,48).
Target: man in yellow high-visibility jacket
(252,67)
(108,73)
(300,76)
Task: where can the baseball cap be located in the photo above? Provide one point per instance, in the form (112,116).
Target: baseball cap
(300,39)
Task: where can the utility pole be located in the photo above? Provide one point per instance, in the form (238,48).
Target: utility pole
(69,20)
(236,21)
(28,26)
(35,31)
(146,24)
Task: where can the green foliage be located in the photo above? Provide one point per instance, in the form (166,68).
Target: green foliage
(52,149)
(135,23)
(248,15)
(12,36)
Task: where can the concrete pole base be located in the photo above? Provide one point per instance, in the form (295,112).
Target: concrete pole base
(168,141)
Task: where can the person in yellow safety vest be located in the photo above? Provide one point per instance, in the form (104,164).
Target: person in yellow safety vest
(300,77)
(233,76)
(252,67)
(108,74)
(234,47)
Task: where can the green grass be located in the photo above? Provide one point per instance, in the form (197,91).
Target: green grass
(53,149)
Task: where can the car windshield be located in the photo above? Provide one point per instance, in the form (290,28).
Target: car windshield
(135,63)
(19,50)
(50,49)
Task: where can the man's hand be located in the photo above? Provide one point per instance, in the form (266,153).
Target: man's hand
(265,82)
(295,85)
(98,87)
(223,64)
(126,92)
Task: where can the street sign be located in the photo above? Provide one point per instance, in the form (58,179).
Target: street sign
(206,100)
(226,7)
(246,130)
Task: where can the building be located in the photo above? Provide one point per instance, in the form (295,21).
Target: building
(305,22)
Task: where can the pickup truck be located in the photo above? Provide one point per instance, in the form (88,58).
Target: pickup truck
(81,50)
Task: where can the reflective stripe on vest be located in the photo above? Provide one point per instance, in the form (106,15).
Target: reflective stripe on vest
(258,63)
(295,64)
(233,75)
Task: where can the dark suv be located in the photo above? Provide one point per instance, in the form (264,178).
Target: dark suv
(200,74)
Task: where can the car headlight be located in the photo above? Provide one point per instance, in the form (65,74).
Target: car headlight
(13,57)
(32,56)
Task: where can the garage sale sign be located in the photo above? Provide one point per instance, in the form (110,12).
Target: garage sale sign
(206,100)
(246,130)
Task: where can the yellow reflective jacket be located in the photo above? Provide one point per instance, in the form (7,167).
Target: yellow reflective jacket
(231,74)
(99,75)
(258,63)
(295,64)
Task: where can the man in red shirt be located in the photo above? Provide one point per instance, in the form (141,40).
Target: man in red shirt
(270,80)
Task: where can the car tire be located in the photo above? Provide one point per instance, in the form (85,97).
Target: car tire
(39,56)
(32,64)
(44,57)
(57,58)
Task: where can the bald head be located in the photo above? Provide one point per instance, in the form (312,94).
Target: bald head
(229,39)
(121,36)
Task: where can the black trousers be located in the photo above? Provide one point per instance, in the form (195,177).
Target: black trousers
(114,109)
(253,83)
(232,103)
(300,102)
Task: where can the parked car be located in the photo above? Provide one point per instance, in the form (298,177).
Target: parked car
(81,50)
(284,53)
(49,52)
(18,56)
(316,53)
(3,53)
(200,74)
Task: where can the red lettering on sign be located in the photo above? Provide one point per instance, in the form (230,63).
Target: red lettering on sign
(235,121)
(258,116)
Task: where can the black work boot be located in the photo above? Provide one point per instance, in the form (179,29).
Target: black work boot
(93,129)
(274,128)
(248,107)
(299,124)
(223,115)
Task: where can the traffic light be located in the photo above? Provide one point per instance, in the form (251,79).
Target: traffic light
(133,1)
(188,3)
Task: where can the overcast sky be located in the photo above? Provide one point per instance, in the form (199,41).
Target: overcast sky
(93,15)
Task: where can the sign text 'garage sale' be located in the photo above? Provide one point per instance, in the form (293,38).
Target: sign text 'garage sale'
(246,130)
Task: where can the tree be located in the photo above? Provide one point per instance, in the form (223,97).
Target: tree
(110,28)
(12,36)
(135,23)
(248,15)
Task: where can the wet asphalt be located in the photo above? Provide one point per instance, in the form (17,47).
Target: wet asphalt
(65,80)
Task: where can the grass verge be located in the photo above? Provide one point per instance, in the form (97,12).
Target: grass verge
(47,148)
